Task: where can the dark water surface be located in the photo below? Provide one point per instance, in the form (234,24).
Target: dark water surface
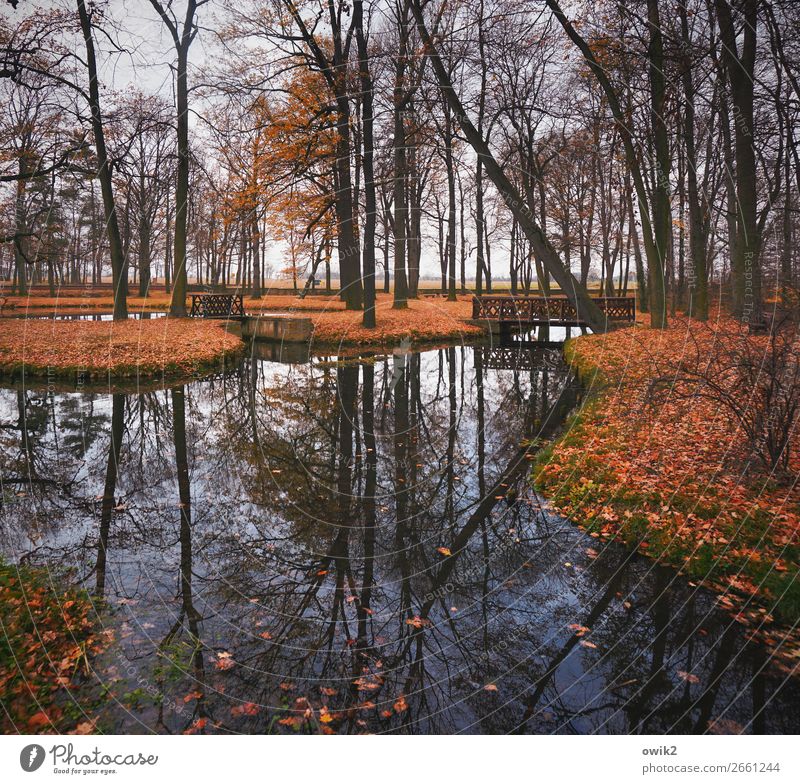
(274,542)
(77,314)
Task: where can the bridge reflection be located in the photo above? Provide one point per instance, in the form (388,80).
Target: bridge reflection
(524,355)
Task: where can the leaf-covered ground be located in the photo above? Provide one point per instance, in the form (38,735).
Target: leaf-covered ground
(425,319)
(671,478)
(122,349)
(48,636)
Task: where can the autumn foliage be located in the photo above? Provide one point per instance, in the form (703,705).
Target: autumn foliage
(674,476)
(96,349)
(424,320)
(49,636)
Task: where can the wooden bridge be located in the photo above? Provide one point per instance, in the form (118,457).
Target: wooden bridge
(222,306)
(554,311)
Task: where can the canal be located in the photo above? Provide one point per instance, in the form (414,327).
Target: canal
(353,545)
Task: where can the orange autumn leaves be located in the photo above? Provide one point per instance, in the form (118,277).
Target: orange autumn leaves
(668,478)
(123,349)
(48,639)
(424,320)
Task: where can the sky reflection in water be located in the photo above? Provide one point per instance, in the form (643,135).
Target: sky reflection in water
(277,539)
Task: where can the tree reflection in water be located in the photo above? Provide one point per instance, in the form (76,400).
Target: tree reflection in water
(353,546)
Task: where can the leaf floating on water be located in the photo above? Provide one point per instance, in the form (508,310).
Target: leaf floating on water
(417,622)
(579,630)
(265,636)
(247,709)
(224,661)
(84,728)
(688,677)
(724,726)
(400,704)
(588,644)
(445,551)
(365,684)
(196,726)
(327,691)
(490,687)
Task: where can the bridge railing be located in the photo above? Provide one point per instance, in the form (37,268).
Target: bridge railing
(217,305)
(526,310)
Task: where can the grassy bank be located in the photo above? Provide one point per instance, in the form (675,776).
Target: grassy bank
(99,349)
(48,636)
(672,476)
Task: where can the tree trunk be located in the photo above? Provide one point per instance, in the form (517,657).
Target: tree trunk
(451,208)
(104,171)
(370,199)
(662,225)
(255,237)
(698,276)
(740,67)
(144,253)
(21,228)
(179,277)
(400,280)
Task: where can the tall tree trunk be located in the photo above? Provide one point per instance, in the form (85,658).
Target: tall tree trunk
(104,171)
(451,208)
(479,216)
(21,228)
(740,67)
(414,237)
(785,281)
(370,199)
(349,251)
(255,237)
(662,226)
(144,252)
(698,277)
(400,280)
(180,277)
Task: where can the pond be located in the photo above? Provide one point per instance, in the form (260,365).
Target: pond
(80,315)
(358,541)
